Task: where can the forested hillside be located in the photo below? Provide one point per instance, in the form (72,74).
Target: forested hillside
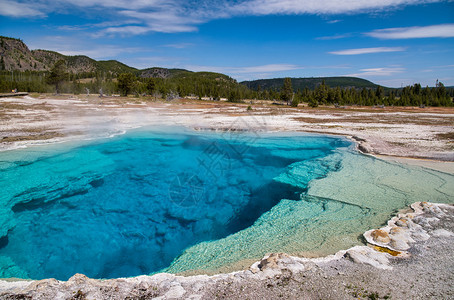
(310,83)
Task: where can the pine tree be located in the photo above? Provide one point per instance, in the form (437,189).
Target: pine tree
(380,94)
(287,90)
(151,85)
(321,93)
(57,75)
(125,83)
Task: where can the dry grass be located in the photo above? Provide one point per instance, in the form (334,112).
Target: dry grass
(382,119)
(33,137)
(20,106)
(446,136)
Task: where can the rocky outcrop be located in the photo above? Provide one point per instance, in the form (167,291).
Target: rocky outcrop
(276,271)
(404,230)
(155,73)
(15,55)
(362,145)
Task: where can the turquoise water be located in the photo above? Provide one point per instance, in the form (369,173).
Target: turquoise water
(177,200)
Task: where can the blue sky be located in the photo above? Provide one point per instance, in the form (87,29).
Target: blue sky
(390,42)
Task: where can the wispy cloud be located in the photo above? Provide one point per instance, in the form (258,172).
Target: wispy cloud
(378,72)
(334,37)
(270,68)
(106,24)
(267,7)
(179,45)
(172,16)
(367,50)
(247,72)
(434,31)
(124,31)
(101,52)
(70,45)
(169,21)
(19,9)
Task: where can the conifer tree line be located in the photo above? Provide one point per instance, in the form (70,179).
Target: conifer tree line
(58,80)
(202,85)
(414,95)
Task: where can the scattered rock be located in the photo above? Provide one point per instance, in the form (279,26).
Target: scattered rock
(399,244)
(271,261)
(365,148)
(367,255)
(420,235)
(380,236)
(175,292)
(442,232)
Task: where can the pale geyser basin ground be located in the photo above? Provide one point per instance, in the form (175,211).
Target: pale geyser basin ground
(179,201)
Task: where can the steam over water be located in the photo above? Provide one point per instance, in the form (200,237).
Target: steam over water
(176,200)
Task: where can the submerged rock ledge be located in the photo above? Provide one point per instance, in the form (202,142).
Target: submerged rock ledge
(411,257)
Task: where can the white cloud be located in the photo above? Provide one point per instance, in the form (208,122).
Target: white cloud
(130,4)
(168,21)
(247,73)
(267,7)
(334,37)
(378,72)
(179,45)
(367,50)
(101,52)
(395,82)
(153,61)
(97,25)
(268,68)
(70,45)
(171,16)
(246,70)
(125,30)
(434,31)
(19,10)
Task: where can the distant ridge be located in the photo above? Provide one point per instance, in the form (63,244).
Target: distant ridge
(311,83)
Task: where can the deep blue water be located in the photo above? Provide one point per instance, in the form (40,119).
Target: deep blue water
(130,205)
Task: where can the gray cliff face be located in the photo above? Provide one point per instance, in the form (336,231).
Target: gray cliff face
(418,265)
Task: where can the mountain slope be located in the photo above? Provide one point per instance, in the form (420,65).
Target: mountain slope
(16,56)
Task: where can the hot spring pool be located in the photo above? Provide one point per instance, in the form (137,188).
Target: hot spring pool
(175,200)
